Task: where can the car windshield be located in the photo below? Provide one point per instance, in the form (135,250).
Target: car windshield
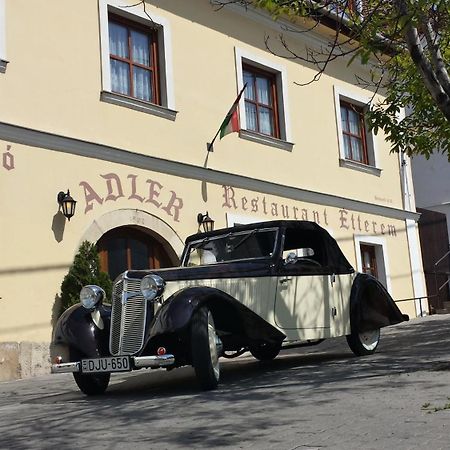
(232,246)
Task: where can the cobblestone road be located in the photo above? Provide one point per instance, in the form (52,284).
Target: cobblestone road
(316,398)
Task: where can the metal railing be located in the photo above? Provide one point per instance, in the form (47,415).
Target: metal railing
(420,302)
(438,288)
(436,273)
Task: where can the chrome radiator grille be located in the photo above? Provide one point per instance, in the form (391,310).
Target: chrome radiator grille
(128,317)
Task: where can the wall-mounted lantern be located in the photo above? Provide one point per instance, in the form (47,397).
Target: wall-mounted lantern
(67,204)
(205,221)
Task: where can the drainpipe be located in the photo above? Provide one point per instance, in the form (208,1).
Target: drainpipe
(412,234)
(404,180)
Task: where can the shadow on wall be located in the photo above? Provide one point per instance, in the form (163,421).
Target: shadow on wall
(58,226)
(227,23)
(57,310)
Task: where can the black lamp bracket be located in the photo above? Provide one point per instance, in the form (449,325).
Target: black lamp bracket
(61,196)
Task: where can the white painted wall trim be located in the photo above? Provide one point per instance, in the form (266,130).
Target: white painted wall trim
(409,197)
(361,101)
(415,256)
(137,13)
(124,217)
(3,61)
(381,253)
(406,179)
(138,105)
(50,141)
(245,56)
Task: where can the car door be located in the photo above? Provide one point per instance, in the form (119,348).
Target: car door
(302,302)
(313,306)
(313,285)
(305,286)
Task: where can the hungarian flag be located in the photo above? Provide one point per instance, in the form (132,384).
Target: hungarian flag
(231,122)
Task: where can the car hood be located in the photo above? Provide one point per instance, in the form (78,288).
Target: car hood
(219,270)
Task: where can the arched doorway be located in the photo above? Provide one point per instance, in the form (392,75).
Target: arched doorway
(131,247)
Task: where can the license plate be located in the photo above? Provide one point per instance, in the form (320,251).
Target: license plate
(109,364)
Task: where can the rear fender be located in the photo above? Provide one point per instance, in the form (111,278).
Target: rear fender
(77,331)
(371,306)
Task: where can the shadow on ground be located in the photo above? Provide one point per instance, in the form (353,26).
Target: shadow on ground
(249,390)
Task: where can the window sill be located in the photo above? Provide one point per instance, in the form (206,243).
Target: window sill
(138,105)
(266,140)
(3,64)
(349,164)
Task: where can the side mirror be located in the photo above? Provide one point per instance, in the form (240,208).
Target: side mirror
(291,258)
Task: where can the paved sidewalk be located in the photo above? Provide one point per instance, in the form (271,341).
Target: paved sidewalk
(315,398)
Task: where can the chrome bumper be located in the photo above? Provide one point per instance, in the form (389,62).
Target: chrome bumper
(153,361)
(65,367)
(138,362)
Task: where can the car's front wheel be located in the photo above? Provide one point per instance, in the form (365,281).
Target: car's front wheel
(204,348)
(363,343)
(92,384)
(89,384)
(265,351)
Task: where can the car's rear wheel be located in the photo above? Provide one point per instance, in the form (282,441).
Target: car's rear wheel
(204,349)
(363,343)
(265,351)
(89,384)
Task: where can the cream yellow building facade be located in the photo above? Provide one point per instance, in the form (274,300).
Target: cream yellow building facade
(138,163)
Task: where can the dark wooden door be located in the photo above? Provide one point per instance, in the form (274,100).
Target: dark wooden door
(128,248)
(434,242)
(369,260)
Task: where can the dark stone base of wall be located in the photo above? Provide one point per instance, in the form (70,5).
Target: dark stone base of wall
(23,359)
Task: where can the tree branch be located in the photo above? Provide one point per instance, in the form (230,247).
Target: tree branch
(423,64)
(436,56)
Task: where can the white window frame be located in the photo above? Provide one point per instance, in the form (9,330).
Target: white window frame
(162,26)
(359,7)
(381,255)
(3,60)
(359,10)
(242,57)
(372,150)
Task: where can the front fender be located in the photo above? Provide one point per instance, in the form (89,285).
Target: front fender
(176,312)
(371,306)
(76,329)
(229,314)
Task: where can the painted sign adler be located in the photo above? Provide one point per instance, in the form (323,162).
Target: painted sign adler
(115,188)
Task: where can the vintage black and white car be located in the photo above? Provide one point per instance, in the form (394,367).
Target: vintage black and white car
(260,288)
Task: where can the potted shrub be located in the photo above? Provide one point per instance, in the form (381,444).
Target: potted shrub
(84,270)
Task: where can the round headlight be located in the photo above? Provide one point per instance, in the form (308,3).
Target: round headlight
(152,286)
(91,296)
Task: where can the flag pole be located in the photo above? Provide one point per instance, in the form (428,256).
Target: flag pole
(209,150)
(210,144)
